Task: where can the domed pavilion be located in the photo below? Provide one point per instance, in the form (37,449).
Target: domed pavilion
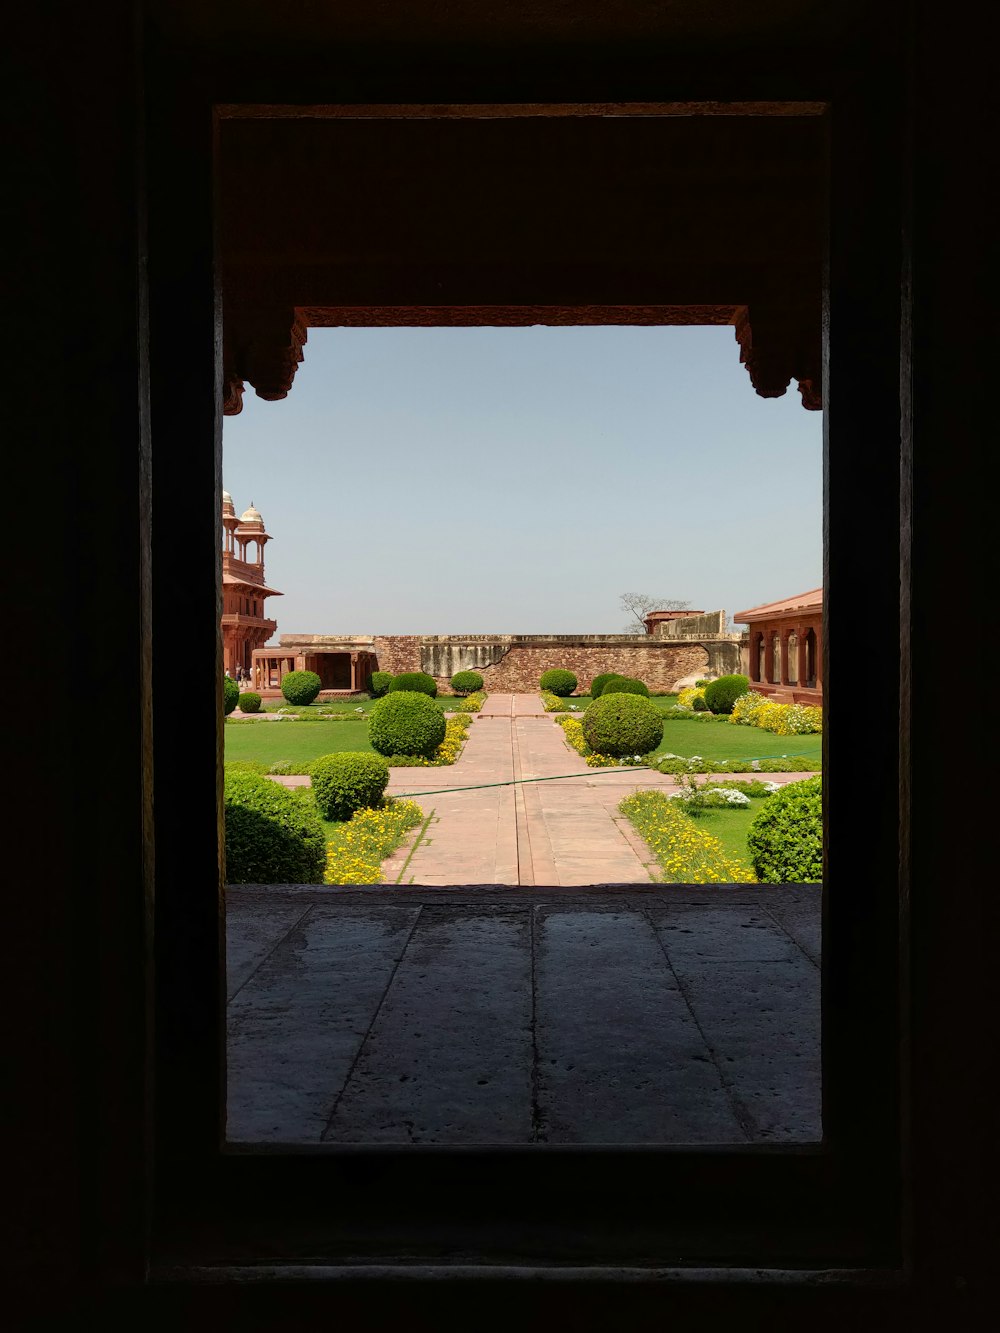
(244,624)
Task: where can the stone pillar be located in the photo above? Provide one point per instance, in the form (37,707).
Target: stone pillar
(803,656)
(783,671)
(768,654)
(819,657)
(354,672)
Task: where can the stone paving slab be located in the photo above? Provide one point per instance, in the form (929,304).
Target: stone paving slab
(448,1055)
(298,1021)
(522,1015)
(620,1055)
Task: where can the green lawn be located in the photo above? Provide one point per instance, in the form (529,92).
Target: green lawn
(730,827)
(276,742)
(724,740)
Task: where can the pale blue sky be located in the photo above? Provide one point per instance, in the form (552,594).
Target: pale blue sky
(447,481)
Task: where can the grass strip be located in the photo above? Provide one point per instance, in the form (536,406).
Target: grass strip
(687,854)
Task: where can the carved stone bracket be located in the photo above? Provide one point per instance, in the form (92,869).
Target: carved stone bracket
(262,346)
(779,344)
(778,341)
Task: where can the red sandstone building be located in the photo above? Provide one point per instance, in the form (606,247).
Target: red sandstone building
(244,625)
(786,648)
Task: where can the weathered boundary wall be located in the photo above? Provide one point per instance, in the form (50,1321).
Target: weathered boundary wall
(514,663)
(660,668)
(710,622)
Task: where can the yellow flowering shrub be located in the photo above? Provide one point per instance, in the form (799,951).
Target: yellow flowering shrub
(357,848)
(686,853)
(686,697)
(471,703)
(757,710)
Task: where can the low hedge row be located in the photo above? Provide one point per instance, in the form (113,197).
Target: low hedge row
(675,763)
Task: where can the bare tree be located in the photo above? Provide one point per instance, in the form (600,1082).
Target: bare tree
(639,604)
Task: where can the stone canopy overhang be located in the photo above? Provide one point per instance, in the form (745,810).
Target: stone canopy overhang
(260,589)
(789,608)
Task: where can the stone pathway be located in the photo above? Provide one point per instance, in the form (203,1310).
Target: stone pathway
(553,833)
(516,1016)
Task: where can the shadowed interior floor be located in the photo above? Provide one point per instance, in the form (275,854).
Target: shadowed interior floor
(495,1015)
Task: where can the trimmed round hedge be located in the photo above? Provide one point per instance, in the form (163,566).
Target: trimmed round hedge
(721,694)
(406,722)
(620,724)
(379,682)
(466,682)
(598,683)
(414,682)
(249,702)
(273,836)
(301,687)
(625,685)
(699,705)
(785,840)
(230,694)
(344,783)
(559,682)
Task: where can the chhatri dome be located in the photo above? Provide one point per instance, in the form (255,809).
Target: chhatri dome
(251,518)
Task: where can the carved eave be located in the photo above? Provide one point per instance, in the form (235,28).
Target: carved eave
(781,345)
(262,348)
(779,340)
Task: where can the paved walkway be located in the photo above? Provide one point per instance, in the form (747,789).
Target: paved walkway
(552,833)
(509,1016)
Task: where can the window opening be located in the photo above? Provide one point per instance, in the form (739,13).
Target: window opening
(417,1018)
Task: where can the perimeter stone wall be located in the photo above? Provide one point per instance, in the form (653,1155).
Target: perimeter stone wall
(514,663)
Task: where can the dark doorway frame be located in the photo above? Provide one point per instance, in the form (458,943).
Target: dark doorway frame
(787,1209)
